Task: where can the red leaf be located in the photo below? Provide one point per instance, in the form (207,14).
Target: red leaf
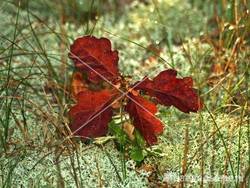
(89,105)
(144,119)
(170,90)
(93,55)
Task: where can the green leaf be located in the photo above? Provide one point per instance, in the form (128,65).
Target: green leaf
(136,154)
(118,132)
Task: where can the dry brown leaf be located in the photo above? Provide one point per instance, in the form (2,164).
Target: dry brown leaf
(129,130)
(77,84)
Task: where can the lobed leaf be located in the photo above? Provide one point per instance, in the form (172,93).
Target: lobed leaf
(144,119)
(169,90)
(95,57)
(91,104)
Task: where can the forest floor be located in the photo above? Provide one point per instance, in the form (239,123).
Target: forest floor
(208,42)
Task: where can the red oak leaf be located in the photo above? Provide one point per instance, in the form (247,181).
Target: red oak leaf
(91,112)
(144,119)
(169,90)
(93,56)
